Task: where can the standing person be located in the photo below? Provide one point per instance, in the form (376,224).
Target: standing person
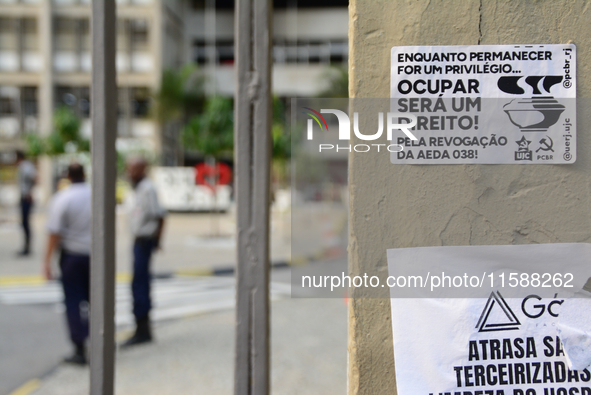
(146,224)
(27,175)
(70,232)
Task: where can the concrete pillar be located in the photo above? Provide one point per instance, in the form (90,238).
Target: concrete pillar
(393,206)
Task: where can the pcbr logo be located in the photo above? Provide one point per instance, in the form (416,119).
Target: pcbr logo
(393,121)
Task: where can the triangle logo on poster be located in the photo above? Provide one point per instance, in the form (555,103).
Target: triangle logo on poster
(497,315)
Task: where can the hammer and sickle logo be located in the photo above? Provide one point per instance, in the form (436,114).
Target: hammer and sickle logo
(545,146)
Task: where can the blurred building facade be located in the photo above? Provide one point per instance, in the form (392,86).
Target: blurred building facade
(45,59)
(45,62)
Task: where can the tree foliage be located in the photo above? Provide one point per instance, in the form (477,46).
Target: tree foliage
(280,134)
(212,132)
(66,124)
(65,136)
(35,145)
(54,144)
(337,83)
(180,94)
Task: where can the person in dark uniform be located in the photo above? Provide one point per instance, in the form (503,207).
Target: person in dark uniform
(27,176)
(146,222)
(69,230)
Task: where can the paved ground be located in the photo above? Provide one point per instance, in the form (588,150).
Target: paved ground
(193,243)
(195,356)
(194,316)
(189,243)
(173,298)
(32,341)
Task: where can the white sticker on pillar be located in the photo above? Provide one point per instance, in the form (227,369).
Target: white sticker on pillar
(485,104)
(502,343)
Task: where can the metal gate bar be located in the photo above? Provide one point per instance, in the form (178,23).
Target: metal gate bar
(104,159)
(252,126)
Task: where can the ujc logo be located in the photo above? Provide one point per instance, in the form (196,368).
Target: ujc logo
(345,124)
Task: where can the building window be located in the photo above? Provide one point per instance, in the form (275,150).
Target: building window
(133,102)
(284,51)
(199,52)
(303,51)
(224,52)
(71,40)
(6,106)
(16,101)
(132,35)
(30,36)
(29,100)
(14,30)
(122,37)
(8,101)
(140,102)
(65,34)
(199,5)
(76,98)
(84,25)
(71,2)
(277,4)
(8,37)
(71,34)
(139,34)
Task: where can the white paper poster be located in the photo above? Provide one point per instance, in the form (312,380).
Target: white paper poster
(178,191)
(486,104)
(499,344)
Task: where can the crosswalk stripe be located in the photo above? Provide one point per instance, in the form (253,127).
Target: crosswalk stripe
(172,297)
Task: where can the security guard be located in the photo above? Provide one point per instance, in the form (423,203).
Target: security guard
(146,223)
(70,232)
(27,176)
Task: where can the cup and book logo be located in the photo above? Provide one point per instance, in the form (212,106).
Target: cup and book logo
(538,112)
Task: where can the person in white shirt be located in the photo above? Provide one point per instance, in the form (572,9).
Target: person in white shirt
(146,224)
(27,176)
(69,228)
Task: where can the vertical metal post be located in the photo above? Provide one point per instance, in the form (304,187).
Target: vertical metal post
(78,29)
(45,94)
(211,43)
(104,159)
(252,125)
(19,24)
